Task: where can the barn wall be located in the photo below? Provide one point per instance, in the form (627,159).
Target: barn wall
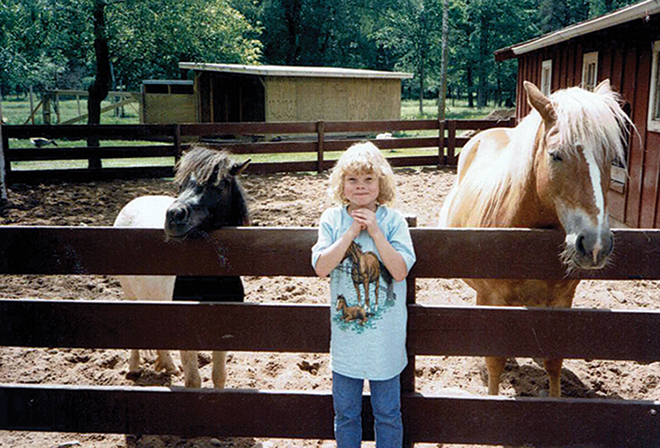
(624,57)
(162,108)
(332,99)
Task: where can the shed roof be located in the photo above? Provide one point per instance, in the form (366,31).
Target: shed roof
(629,13)
(285,70)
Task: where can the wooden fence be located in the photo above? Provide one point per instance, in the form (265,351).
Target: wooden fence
(433,330)
(318,138)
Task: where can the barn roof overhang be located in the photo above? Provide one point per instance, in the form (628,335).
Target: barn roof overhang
(284,70)
(641,10)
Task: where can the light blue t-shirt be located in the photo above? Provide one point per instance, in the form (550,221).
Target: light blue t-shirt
(368,335)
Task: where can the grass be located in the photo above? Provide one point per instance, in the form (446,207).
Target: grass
(17,111)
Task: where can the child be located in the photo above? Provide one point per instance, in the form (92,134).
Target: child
(366,249)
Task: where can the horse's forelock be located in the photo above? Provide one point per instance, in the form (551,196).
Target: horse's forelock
(595,121)
(202,163)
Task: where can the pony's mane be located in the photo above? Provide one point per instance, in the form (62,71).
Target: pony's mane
(202,163)
(594,121)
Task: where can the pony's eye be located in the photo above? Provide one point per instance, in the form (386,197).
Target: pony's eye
(555,156)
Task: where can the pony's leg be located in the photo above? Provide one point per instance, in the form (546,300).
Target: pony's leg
(553,367)
(165,362)
(367,305)
(134,369)
(219,373)
(377,289)
(495,367)
(190,369)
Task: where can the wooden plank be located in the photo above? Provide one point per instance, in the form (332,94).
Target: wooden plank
(104,152)
(516,421)
(249,128)
(441,253)
(118,131)
(433,330)
(86,175)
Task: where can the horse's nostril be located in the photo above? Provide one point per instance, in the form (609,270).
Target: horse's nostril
(579,244)
(177,214)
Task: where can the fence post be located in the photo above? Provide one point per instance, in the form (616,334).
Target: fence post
(45,111)
(442,159)
(32,111)
(320,130)
(177,143)
(451,142)
(4,163)
(408,374)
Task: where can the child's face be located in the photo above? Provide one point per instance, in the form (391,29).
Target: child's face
(361,190)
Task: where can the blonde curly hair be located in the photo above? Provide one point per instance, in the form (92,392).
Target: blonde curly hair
(363,158)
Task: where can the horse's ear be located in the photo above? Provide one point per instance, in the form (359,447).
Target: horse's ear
(238,168)
(540,102)
(604,87)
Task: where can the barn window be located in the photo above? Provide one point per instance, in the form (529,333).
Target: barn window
(654,99)
(546,77)
(590,70)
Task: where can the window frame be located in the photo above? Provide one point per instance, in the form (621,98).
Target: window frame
(546,67)
(653,122)
(587,60)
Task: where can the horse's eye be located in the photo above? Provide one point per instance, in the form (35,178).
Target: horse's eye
(555,156)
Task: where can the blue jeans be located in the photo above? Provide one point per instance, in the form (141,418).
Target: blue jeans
(386,404)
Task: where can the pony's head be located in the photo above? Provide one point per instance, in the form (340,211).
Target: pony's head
(580,135)
(210,195)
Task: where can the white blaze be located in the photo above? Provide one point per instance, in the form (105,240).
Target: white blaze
(594,173)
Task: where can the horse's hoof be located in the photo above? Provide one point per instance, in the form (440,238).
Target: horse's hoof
(134,375)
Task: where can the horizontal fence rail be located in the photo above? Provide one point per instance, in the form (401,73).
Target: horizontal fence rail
(298,137)
(433,331)
(441,253)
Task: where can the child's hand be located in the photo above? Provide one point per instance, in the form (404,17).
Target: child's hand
(367,220)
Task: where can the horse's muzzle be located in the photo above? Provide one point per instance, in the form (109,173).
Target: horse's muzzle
(177,220)
(592,249)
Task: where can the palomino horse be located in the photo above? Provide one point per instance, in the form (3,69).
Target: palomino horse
(210,197)
(552,171)
(366,268)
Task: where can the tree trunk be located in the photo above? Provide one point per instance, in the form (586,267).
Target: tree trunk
(442,94)
(101,85)
(421,86)
(470,85)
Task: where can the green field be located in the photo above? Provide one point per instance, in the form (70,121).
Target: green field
(17,111)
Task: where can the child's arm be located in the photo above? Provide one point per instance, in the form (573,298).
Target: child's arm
(333,254)
(392,259)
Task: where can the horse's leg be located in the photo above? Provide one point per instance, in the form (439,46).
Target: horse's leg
(134,369)
(165,362)
(377,289)
(553,367)
(495,367)
(219,373)
(365,282)
(190,369)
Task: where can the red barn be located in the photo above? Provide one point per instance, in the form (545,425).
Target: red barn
(624,47)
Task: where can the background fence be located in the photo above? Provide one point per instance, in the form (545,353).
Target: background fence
(317,138)
(433,330)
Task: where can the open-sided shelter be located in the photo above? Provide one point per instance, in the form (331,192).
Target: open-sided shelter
(269,93)
(624,47)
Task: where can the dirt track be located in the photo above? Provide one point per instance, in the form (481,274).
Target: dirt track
(281,200)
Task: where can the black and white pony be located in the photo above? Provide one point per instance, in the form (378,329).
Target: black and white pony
(210,197)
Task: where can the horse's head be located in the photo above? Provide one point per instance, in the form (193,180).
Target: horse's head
(210,196)
(581,134)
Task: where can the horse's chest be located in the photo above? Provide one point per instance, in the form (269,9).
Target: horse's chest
(536,293)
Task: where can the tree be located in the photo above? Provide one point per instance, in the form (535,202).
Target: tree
(442,91)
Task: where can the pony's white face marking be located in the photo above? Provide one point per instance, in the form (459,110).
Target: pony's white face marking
(599,198)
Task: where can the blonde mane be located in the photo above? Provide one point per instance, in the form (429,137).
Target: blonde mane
(492,186)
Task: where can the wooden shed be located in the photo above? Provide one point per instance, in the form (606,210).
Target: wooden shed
(258,93)
(624,47)
(167,101)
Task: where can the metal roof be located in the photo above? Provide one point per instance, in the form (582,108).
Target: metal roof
(640,10)
(286,70)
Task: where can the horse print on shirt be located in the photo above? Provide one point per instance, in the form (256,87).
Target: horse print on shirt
(365,269)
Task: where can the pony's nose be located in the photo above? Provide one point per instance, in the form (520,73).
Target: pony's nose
(177,213)
(595,246)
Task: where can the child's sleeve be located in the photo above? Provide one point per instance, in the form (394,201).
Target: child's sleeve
(401,241)
(325,238)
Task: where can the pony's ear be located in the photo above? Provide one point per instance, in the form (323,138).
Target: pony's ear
(540,102)
(238,168)
(604,87)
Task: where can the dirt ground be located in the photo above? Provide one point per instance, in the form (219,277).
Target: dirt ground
(280,200)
